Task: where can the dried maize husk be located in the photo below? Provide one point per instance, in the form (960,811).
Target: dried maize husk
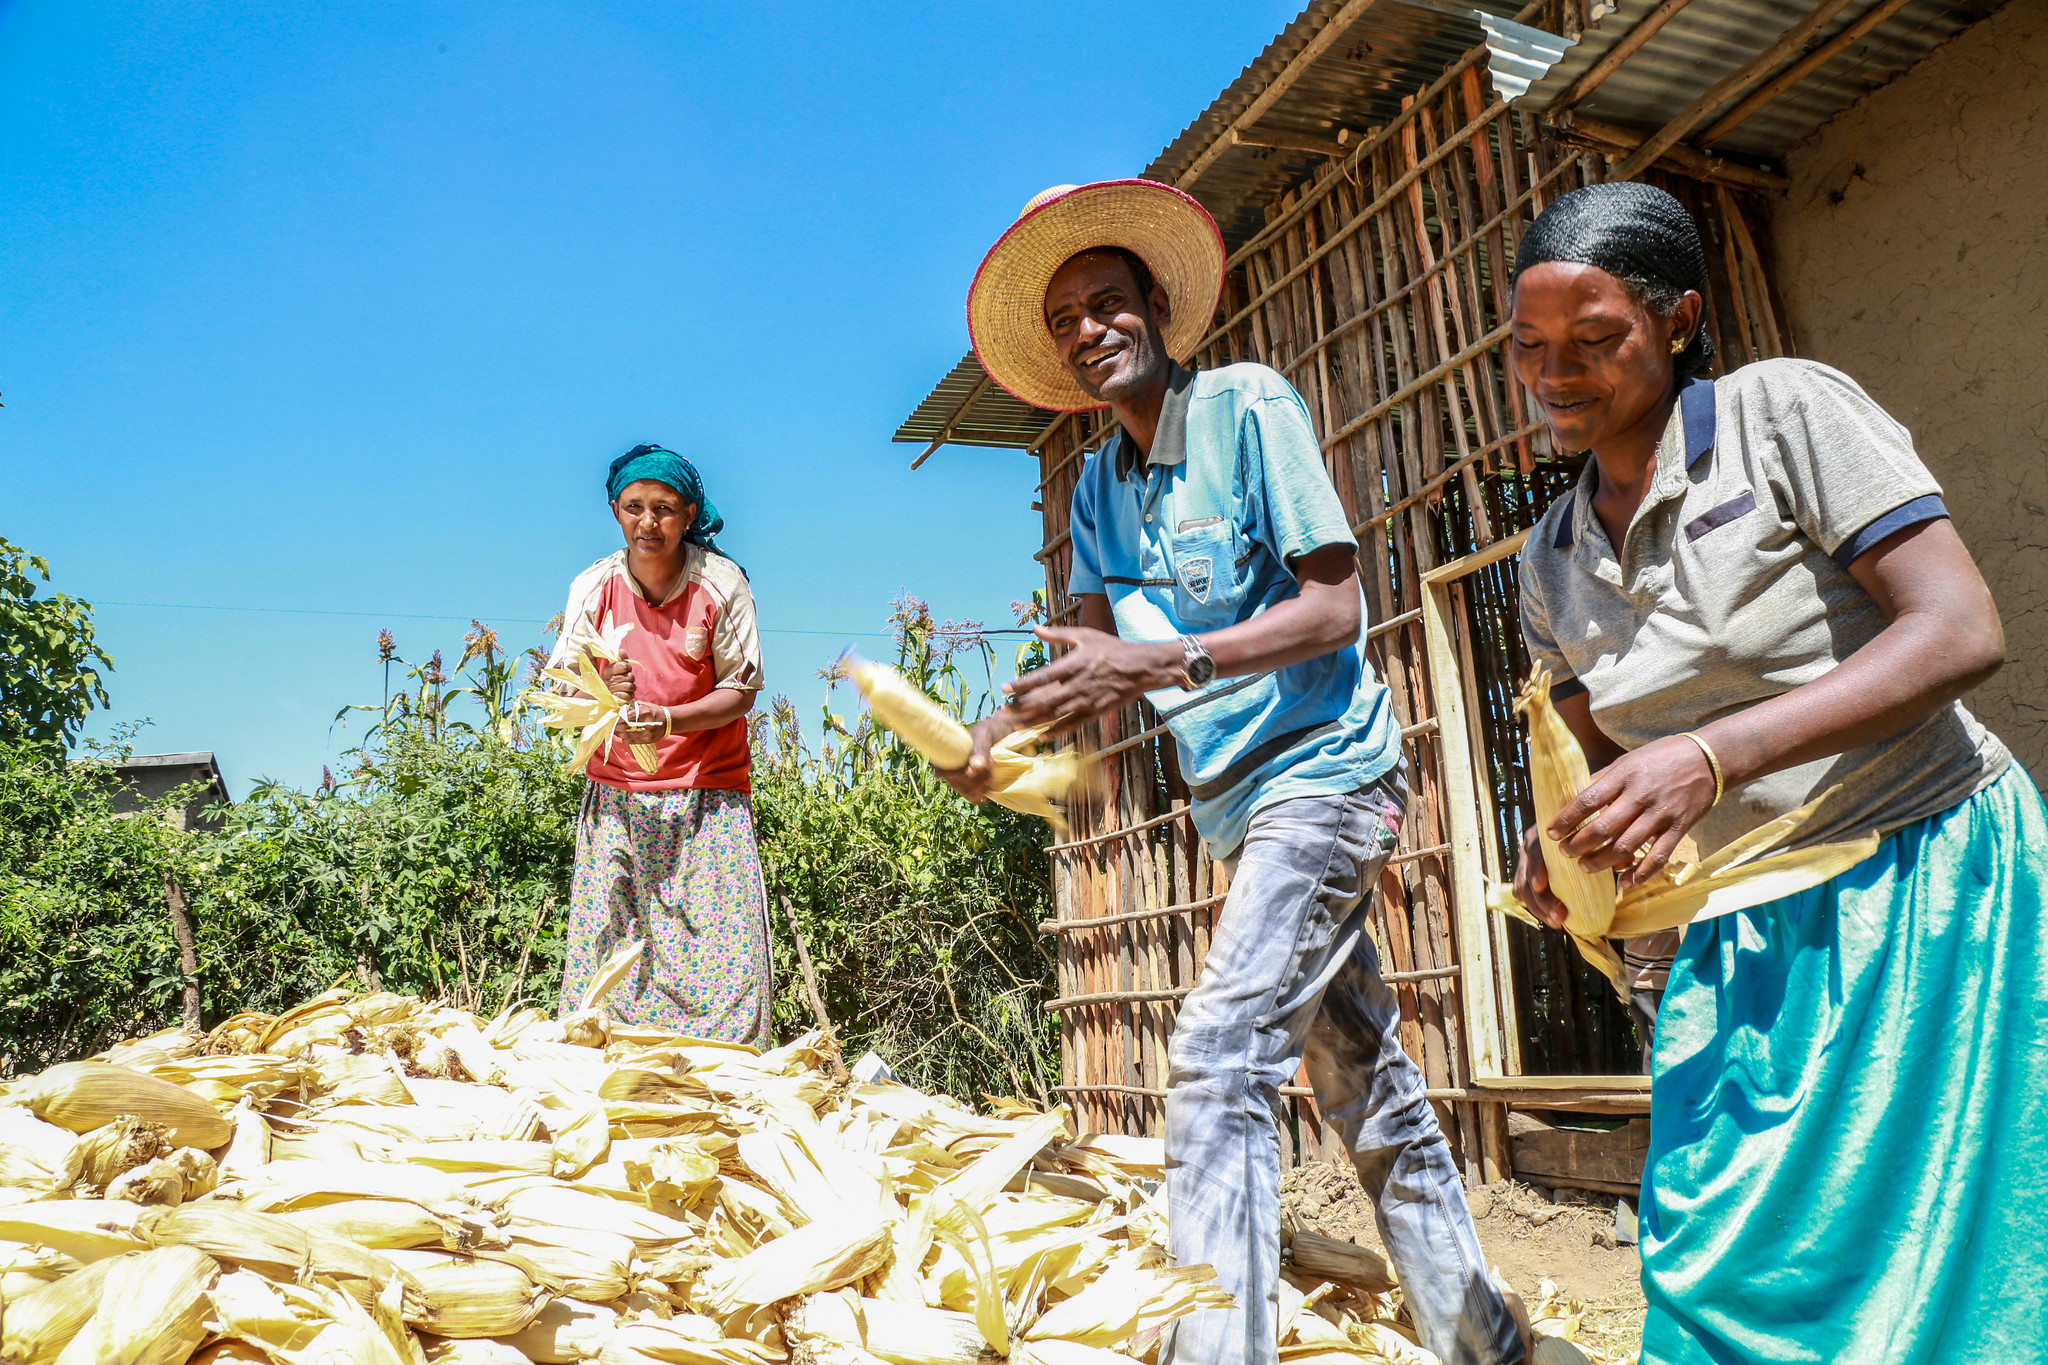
(38,1325)
(82,1096)
(235,1236)
(1030,782)
(113,1149)
(686,1339)
(387,1124)
(26,1269)
(1129,1298)
(86,1229)
(187,1173)
(1734,878)
(461,1296)
(385,1224)
(593,1267)
(1557,774)
(559,1206)
(231,1353)
(814,1257)
(477,1352)
(565,1330)
(36,1158)
(152,1311)
(911,1334)
(596,715)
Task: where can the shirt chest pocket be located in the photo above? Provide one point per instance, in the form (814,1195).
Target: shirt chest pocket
(1205,559)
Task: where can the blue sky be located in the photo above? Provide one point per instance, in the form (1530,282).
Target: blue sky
(329,317)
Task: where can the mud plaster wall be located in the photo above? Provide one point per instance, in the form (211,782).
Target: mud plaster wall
(1913,254)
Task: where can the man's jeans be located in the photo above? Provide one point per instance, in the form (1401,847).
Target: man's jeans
(1291,969)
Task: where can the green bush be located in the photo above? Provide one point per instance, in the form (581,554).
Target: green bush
(920,911)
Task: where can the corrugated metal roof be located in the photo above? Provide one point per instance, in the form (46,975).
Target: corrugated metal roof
(1398,46)
(1711,39)
(1389,52)
(996,418)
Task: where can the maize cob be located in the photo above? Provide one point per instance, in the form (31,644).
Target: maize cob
(82,1096)
(39,1325)
(460,1296)
(382,1224)
(113,1149)
(1018,779)
(565,1330)
(152,1311)
(478,1352)
(1734,878)
(231,1353)
(916,719)
(185,1174)
(87,1230)
(716,1239)
(1557,774)
(36,1158)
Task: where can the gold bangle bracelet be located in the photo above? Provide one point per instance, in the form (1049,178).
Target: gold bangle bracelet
(1712,762)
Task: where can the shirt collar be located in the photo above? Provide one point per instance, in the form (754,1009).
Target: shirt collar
(691,553)
(1170,441)
(1688,437)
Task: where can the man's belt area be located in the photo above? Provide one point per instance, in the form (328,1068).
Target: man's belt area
(1257,757)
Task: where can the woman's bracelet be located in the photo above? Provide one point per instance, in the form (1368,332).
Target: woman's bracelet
(1712,762)
(668,720)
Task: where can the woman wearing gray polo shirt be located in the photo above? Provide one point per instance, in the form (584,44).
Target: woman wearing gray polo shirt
(1753,597)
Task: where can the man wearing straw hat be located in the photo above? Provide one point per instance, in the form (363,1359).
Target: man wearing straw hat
(1217,576)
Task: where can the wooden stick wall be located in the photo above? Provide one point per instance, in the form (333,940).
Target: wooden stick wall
(1379,288)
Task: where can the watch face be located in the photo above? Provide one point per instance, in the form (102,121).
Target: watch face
(1201,669)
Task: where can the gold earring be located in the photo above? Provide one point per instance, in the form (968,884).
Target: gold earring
(1678,346)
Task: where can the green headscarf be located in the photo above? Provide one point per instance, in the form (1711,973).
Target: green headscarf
(665,466)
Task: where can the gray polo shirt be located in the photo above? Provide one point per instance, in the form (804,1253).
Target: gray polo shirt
(1732,587)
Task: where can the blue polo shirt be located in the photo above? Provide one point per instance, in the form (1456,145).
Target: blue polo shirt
(1196,535)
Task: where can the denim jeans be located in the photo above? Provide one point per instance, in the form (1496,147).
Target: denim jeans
(1291,971)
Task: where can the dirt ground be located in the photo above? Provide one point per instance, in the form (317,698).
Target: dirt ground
(1528,1236)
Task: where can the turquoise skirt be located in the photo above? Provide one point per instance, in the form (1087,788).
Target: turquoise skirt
(1849,1112)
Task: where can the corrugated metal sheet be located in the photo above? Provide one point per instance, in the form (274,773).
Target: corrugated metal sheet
(996,419)
(1389,52)
(1395,48)
(1711,39)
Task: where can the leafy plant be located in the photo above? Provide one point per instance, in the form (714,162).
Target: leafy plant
(920,911)
(49,664)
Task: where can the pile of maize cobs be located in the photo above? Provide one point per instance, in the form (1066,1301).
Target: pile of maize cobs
(378,1180)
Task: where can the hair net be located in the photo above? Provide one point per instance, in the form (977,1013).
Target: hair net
(1637,233)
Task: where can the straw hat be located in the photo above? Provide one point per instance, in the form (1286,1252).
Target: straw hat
(1172,234)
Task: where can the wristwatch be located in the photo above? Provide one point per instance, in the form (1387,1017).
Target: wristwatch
(1197,667)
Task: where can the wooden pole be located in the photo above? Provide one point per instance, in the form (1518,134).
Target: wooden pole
(1678,157)
(1630,43)
(188,953)
(1726,89)
(803,960)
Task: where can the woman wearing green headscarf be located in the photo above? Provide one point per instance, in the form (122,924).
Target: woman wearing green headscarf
(665,848)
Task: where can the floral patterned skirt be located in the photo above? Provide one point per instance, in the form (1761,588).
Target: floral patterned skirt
(679,869)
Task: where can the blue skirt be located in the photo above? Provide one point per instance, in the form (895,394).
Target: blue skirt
(1849,1112)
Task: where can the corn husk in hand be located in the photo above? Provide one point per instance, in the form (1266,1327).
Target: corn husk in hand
(1734,877)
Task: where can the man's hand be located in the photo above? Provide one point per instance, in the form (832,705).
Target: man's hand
(1099,674)
(971,779)
(1532,881)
